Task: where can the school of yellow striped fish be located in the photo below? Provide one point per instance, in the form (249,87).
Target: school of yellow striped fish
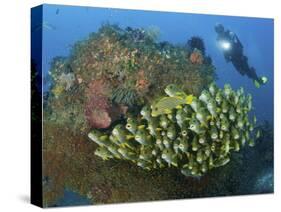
(193,134)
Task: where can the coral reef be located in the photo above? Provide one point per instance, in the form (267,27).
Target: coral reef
(194,136)
(130,59)
(133,68)
(133,58)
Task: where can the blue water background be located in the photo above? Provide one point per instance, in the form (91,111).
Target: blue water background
(70,24)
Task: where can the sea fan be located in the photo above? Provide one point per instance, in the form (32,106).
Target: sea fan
(125,96)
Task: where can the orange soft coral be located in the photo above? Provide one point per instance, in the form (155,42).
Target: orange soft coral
(142,83)
(196,57)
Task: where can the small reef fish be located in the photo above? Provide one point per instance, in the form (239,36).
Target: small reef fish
(167,104)
(146,153)
(235,133)
(251,142)
(232,114)
(202,139)
(195,126)
(171,132)
(103,153)
(127,154)
(214,133)
(195,144)
(164,121)
(240,122)
(172,90)
(224,106)
(144,164)
(181,117)
(221,162)
(224,124)
(203,116)
(119,133)
(153,126)
(258,134)
(195,105)
(102,140)
(199,156)
(131,125)
(205,96)
(212,108)
(183,146)
(249,102)
(143,137)
(113,149)
(145,112)
(169,156)
(219,97)
(213,89)
(227,90)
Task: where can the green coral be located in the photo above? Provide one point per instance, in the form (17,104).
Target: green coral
(194,138)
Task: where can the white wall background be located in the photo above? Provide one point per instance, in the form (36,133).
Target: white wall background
(15,95)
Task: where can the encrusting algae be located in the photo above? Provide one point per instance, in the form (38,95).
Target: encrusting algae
(193,134)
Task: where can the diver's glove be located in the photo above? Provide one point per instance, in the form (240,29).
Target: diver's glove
(262,80)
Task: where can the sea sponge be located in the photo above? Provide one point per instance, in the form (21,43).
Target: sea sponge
(196,42)
(97,112)
(97,106)
(194,137)
(196,57)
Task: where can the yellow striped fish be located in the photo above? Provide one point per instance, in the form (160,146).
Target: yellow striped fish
(167,104)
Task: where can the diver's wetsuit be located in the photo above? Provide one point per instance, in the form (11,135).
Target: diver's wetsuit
(235,55)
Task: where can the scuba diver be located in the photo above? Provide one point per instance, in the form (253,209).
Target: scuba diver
(233,52)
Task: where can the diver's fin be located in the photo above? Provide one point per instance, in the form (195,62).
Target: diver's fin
(264,79)
(257,84)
